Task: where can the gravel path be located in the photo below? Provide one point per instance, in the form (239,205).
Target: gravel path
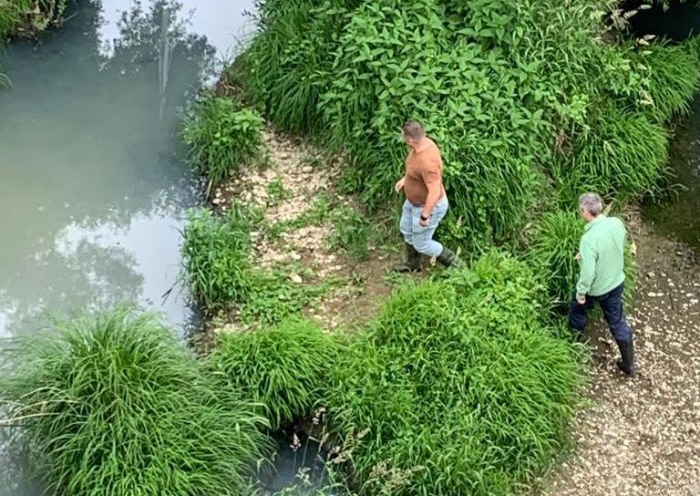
(642,436)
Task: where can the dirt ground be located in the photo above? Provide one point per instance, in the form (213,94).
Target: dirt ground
(642,436)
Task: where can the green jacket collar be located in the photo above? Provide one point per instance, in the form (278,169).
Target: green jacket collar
(595,221)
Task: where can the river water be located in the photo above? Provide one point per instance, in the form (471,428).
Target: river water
(678,213)
(94,188)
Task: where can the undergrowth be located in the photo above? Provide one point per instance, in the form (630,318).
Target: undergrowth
(509,90)
(220,272)
(112,404)
(458,388)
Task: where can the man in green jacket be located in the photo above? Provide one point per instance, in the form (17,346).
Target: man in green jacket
(602,278)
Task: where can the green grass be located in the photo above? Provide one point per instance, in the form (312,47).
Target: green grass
(28,16)
(219,270)
(216,254)
(673,74)
(351,232)
(222,137)
(552,253)
(282,368)
(553,248)
(623,155)
(112,404)
(458,388)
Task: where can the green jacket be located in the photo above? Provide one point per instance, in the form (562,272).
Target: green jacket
(602,252)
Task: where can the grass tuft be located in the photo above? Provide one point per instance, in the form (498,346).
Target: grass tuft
(458,388)
(282,368)
(113,404)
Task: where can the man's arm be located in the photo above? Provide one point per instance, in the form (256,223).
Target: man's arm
(587,275)
(433,181)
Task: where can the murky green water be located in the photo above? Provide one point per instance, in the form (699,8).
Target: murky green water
(93,186)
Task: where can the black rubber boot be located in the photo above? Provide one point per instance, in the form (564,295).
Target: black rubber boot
(626,365)
(413,261)
(448,258)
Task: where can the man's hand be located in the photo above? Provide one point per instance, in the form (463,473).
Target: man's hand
(399,185)
(424,222)
(581,299)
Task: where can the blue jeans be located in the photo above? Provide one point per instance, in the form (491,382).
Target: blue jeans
(611,303)
(422,237)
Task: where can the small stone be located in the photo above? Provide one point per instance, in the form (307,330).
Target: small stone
(296,278)
(307,169)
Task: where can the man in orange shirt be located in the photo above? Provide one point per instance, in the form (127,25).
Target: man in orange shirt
(426,201)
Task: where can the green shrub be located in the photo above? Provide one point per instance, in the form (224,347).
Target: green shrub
(673,73)
(458,388)
(113,404)
(222,137)
(282,368)
(216,253)
(495,84)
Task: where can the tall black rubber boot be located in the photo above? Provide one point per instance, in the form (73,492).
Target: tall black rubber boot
(413,261)
(449,259)
(626,365)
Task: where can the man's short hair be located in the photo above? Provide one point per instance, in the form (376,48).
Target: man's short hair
(413,130)
(591,203)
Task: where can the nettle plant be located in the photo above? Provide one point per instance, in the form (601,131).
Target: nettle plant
(222,136)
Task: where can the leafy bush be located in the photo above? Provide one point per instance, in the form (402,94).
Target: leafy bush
(459,387)
(222,136)
(113,404)
(497,84)
(282,368)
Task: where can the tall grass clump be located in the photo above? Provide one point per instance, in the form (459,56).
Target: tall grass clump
(216,252)
(622,155)
(672,77)
(111,403)
(222,136)
(458,388)
(552,252)
(284,368)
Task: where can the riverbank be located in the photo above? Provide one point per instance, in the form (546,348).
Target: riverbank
(642,437)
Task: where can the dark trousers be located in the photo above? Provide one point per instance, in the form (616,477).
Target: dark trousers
(611,303)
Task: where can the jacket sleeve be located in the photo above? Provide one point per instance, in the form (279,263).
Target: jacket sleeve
(588,263)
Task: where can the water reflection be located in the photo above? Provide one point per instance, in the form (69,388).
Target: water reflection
(94,188)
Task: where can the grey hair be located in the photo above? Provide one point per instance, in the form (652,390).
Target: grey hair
(591,203)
